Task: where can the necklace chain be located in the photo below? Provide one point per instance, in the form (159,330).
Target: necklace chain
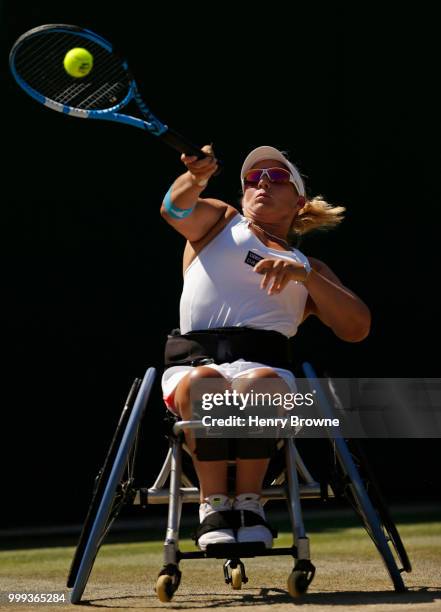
(271,235)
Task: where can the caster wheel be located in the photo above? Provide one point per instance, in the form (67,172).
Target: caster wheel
(164,588)
(297,583)
(236,578)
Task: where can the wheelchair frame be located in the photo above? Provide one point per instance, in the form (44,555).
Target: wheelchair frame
(114,488)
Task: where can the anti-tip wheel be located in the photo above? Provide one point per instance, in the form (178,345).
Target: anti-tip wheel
(164,588)
(236,578)
(297,583)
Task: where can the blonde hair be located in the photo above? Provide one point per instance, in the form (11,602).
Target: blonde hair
(317,214)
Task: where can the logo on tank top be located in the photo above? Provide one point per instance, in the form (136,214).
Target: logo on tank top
(252,258)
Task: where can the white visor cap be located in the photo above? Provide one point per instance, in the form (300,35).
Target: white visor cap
(267,152)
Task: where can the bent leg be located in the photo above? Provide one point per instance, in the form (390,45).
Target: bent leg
(251,472)
(212,474)
(215,504)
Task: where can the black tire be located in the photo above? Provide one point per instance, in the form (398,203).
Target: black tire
(100,485)
(373,489)
(371,484)
(347,480)
(118,488)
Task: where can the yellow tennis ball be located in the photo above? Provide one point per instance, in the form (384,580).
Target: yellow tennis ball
(78,62)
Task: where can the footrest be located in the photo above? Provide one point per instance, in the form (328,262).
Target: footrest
(235,551)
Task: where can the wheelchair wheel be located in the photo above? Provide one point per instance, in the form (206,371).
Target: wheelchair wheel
(297,583)
(164,588)
(114,485)
(168,582)
(371,485)
(349,482)
(236,578)
(355,492)
(100,483)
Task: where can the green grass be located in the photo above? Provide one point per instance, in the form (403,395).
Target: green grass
(342,542)
(349,572)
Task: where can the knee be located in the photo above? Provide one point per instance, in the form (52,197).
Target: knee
(188,383)
(202,380)
(258,380)
(202,372)
(261,373)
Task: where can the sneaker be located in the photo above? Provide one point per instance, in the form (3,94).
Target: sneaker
(215,503)
(257,533)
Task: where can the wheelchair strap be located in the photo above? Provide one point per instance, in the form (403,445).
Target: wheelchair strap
(250,519)
(231,519)
(227,344)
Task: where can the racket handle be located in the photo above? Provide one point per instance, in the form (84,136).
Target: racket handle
(181,144)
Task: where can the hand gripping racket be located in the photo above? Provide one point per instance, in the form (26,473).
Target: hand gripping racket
(36,62)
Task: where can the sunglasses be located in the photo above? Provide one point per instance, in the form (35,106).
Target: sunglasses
(275,175)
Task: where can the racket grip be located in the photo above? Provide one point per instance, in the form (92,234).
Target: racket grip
(181,144)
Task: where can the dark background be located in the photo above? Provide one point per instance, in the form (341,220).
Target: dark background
(92,274)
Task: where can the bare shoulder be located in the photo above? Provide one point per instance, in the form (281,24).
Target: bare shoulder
(194,247)
(213,202)
(226,210)
(206,214)
(225,213)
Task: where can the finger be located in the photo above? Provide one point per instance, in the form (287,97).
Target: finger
(280,283)
(271,289)
(266,279)
(188,159)
(273,284)
(277,279)
(263,265)
(281,277)
(278,264)
(208,149)
(202,164)
(202,173)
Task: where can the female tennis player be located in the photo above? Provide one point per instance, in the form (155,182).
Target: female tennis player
(245,292)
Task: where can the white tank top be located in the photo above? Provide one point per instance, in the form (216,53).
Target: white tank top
(221,288)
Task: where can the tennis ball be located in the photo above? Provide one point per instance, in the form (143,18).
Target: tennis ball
(78,62)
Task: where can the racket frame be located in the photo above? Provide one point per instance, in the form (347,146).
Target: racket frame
(152,124)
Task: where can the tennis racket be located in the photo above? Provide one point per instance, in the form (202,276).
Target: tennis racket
(36,62)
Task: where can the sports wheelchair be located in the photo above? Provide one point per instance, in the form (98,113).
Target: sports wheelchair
(349,475)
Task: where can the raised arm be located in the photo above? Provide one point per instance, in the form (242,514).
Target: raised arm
(183,208)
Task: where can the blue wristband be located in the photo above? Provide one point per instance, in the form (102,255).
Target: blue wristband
(174,211)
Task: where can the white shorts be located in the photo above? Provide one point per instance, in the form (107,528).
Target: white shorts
(172,376)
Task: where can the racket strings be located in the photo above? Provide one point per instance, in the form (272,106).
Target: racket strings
(111,93)
(39,62)
(102,96)
(41,47)
(52,77)
(71,95)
